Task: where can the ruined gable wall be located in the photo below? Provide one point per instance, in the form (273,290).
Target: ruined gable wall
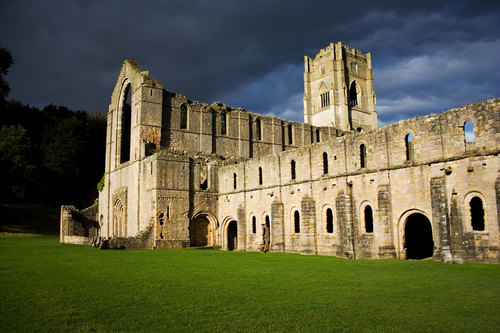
(392,185)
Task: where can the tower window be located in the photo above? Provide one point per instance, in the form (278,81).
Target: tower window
(234,181)
(290,134)
(325,99)
(260,176)
(258,129)
(409,147)
(223,123)
(325,163)
(317,135)
(296,221)
(368,219)
(469,131)
(354,67)
(183,117)
(353,94)
(329,221)
(362,156)
(292,165)
(125,125)
(477,214)
(254,225)
(322,70)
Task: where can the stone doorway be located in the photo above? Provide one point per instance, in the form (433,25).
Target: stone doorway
(232,236)
(266,235)
(418,241)
(199,232)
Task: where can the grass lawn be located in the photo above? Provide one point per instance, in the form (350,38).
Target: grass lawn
(47,286)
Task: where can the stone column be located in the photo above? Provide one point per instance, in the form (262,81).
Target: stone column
(277,226)
(386,248)
(440,219)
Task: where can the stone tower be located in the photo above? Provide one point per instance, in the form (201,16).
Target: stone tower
(338,89)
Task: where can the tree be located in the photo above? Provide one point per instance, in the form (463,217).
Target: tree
(6,61)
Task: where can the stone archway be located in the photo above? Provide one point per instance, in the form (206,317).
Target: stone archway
(418,240)
(232,235)
(200,233)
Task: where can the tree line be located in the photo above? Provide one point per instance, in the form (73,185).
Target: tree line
(50,156)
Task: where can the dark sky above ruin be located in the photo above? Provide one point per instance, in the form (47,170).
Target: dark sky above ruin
(427,56)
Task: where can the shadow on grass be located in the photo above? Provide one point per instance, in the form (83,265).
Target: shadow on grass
(27,220)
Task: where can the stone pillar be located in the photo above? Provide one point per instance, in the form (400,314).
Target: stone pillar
(277,226)
(345,227)
(456,231)
(308,224)
(242,228)
(440,220)
(497,192)
(386,248)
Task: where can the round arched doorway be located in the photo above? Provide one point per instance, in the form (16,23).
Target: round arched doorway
(418,241)
(232,236)
(200,232)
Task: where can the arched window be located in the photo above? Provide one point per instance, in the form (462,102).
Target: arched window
(353,94)
(469,131)
(292,165)
(258,129)
(290,134)
(325,99)
(317,135)
(254,225)
(368,219)
(234,181)
(477,214)
(260,176)
(329,221)
(362,156)
(325,163)
(296,221)
(184,116)
(125,121)
(223,123)
(409,147)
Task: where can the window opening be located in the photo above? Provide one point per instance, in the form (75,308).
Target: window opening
(168,211)
(254,225)
(362,156)
(322,70)
(234,181)
(161,219)
(329,221)
(296,220)
(260,176)
(477,214)
(290,134)
(292,164)
(325,163)
(325,99)
(223,123)
(317,135)
(125,126)
(259,129)
(204,185)
(183,124)
(368,219)
(409,147)
(469,131)
(353,94)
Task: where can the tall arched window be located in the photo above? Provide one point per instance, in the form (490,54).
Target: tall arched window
(125,122)
(329,221)
(325,163)
(183,116)
(353,94)
(292,165)
(260,176)
(477,214)
(234,181)
(409,147)
(254,225)
(362,156)
(469,131)
(296,221)
(368,219)
(223,123)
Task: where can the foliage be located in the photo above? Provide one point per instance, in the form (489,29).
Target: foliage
(100,185)
(6,61)
(219,291)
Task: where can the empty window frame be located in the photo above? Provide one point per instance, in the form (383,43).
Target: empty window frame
(183,116)
(292,166)
(254,225)
(362,156)
(260,176)
(318,135)
(258,129)
(477,214)
(329,221)
(353,94)
(234,180)
(325,163)
(368,219)
(223,123)
(125,125)
(325,99)
(290,134)
(296,221)
(469,132)
(409,147)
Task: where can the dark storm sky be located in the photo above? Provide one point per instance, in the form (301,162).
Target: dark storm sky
(427,56)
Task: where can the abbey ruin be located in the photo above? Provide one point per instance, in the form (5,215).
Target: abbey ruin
(180,173)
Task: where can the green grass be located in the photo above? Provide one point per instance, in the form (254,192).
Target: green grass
(47,286)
